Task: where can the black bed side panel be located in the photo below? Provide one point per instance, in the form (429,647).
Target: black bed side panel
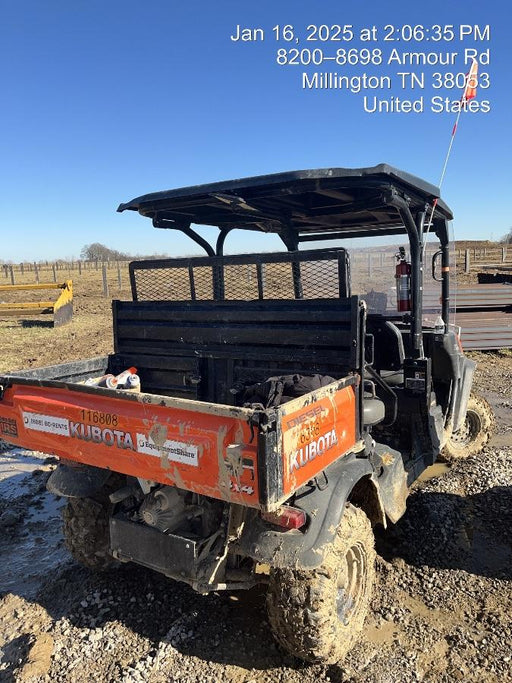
(74,371)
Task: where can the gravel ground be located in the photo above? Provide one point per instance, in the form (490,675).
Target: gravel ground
(442,607)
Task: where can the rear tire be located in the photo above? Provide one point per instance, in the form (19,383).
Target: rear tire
(474,433)
(316,615)
(87,530)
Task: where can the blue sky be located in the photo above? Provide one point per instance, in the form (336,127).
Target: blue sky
(104,101)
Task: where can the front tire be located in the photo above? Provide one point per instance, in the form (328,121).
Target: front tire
(474,433)
(316,615)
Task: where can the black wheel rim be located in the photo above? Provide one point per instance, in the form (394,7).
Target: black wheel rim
(469,430)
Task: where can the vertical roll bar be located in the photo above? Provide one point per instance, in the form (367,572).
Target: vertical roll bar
(442,235)
(415,232)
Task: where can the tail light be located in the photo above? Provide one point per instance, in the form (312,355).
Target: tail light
(286,516)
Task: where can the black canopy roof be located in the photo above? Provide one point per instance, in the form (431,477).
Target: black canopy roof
(347,202)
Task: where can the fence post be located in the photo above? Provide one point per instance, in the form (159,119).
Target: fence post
(503,254)
(12,275)
(105,282)
(369,264)
(36,271)
(466,261)
(119,281)
(79,267)
(54,272)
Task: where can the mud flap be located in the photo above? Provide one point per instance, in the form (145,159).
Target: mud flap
(392,484)
(462,392)
(79,481)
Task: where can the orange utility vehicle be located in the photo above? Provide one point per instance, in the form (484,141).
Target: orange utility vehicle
(280,415)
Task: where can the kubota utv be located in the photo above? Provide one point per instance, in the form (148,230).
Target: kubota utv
(287,400)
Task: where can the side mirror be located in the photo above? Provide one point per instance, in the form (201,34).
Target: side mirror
(435,259)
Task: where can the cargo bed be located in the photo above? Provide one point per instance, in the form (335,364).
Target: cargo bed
(187,426)
(255,457)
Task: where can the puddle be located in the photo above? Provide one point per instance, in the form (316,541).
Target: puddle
(35,551)
(434,471)
(419,609)
(31,550)
(502,408)
(16,467)
(502,440)
(381,635)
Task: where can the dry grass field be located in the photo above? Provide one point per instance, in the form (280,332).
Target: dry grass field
(33,341)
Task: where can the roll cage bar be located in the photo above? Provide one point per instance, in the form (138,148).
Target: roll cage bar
(312,206)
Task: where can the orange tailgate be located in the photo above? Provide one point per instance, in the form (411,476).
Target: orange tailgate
(207,449)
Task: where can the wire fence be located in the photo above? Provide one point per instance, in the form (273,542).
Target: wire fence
(114,274)
(108,275)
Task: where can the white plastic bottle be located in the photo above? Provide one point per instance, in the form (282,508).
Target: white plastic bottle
(439,326)
(132,382)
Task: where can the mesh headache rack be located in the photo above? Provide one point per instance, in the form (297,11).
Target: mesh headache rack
(312,274)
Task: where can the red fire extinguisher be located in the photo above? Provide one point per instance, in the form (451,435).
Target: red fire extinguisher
(403,282)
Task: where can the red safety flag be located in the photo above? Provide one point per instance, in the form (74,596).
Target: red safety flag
(471,83)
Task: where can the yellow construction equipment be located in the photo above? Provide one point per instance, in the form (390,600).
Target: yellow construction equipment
(62,308)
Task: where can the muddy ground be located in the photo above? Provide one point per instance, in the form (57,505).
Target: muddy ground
(442,606)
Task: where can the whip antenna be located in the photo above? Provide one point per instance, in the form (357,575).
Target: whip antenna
(468,94)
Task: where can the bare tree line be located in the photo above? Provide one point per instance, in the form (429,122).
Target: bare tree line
(94,252)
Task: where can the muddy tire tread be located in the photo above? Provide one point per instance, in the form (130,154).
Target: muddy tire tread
(300,603)
(453,451)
